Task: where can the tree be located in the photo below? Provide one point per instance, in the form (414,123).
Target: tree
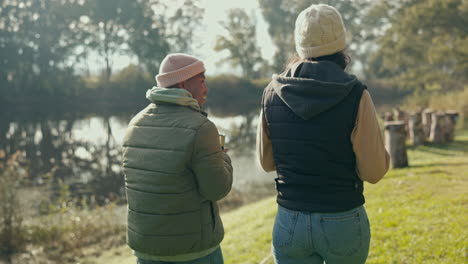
(241,42)
(107,25)
(161,29)
(41,41)
(424,47)
(147,29)
(281,18)
(35,42)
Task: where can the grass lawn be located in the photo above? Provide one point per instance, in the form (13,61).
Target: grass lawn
(418,214)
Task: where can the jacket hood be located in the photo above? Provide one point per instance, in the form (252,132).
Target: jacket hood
(310,88)
(172,96)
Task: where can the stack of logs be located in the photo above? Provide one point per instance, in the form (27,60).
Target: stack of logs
(419,127)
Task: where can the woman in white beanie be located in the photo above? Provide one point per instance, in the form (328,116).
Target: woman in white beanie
(318,130)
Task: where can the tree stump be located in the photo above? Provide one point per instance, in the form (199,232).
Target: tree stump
(416,129)
(395,139)
(426,122)
(437,134)
(388,116)
(400,115)
(451,118)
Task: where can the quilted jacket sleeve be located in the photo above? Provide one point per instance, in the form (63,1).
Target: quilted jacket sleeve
(211,165)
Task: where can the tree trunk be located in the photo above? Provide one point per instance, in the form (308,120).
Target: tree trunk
(416,129)
(395,139)
(426,122)
(437,128)
(107,54)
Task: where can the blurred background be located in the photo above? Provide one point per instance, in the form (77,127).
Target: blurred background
(74,72)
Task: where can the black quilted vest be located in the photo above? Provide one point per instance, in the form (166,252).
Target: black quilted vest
(311,112)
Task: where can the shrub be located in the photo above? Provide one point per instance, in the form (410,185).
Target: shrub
(230,95)
(132,80)
(11,228)
(64,230)
(456,100)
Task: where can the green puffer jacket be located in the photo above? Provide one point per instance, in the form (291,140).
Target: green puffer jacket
(175,171)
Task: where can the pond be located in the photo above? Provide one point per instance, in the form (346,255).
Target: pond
(83,152)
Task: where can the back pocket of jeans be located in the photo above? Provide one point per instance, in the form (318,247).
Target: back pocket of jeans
(283,229)
(342,233)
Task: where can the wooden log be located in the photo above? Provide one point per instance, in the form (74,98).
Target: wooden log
(416,129)
(400,115)
(388,116)
(451,118)
(437,134)
(395,139)
(426,122)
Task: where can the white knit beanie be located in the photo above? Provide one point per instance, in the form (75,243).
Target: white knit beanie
(178,67)
(319,31)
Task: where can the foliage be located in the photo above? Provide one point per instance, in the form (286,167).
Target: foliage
(138,28)
(161,28)
(414,45)
(230,95)
(12,239)
(67,227)
(241,42)
(424,46)
(65,235)
(385,95)
(103,24)
(281,17)
(455,100)
(132,80)
(42,42)
(35,43)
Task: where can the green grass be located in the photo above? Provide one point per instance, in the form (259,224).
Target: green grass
(418,214)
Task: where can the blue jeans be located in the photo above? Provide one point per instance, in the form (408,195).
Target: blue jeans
(214,258)
(315,238)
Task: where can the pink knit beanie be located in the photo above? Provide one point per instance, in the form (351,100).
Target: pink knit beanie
(178,67)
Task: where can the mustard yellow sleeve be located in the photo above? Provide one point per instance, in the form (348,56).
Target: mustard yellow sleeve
(264,147)
(372,159)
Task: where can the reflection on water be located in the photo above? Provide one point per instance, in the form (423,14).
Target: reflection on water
(84,151)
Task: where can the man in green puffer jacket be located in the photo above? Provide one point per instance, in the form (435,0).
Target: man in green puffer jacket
(175,170)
